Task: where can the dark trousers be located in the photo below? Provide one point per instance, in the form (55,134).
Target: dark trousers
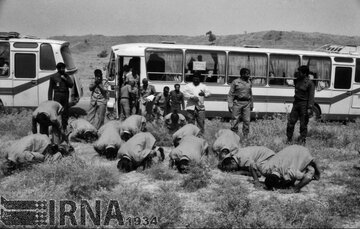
(63,99)
(298,111)
(199,116)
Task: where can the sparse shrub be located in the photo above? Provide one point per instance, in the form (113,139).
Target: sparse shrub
(102,54)
(160,132)
(159,172)
(198,177)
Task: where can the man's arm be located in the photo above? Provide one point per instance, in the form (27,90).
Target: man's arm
(34,125)
(68,81)
(230,96)
(311,91)
(182,101)
(92,86)
(51,87)
(254,175)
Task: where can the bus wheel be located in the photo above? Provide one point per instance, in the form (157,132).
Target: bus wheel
(316,114)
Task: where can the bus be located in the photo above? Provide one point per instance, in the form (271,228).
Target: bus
(26,64)
(335,71)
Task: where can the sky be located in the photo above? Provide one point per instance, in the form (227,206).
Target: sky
(45,18)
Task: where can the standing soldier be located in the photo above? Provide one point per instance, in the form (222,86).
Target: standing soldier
(303,104)
(177,101)
(162,103)
(126,93)
(147,93)
(59,85)
(98,100)
(47,114)
(240,101)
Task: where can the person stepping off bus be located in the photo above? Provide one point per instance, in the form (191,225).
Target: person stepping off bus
(226,142)
(190,150)
(81,130)
(292,164)
(240,101)
(188,129)
(140,150)
(32,149)
(132,125)
(126,93)
(250,159)
(303,104)
(47,114)
(174,121)
(109,140)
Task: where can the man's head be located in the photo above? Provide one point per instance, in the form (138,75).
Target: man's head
(245,73)
(196,78)
(174,117)
(228,165)
(145,82)
(126,135)
(126,165)
(90,136)
(111,152)
(183,165)
(156,156)
(98,75)
(61,67)
(166,90)
(132,83)
(303,71)
(8,167)
(177,87)
(66,149)
(272,181)
(43,119)
(176,141)
(223,153)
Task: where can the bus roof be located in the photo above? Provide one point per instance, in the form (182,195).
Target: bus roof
(137,49)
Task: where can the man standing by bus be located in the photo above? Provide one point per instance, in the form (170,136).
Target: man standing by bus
(240,101)
(59,85)
(195,93)
(303,104)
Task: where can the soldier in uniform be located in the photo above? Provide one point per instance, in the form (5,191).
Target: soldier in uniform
(59,85)
(226,142)
(132,125)
(302,105)
(47,114)
(240,101)
(188,129)
(138,151)
(162,103)
(191,149)
(80,130)
(126,95)
(32,149)
(147,95)
(177,101)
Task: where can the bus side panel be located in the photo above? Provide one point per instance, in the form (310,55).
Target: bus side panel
(6,95)
(43,85)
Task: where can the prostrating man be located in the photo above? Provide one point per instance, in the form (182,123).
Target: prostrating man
(177,101)
(188,129)
(140,150)
(302,105)
(47,114)
(191,149)
(240,101)
(226,142)
(98,100)
(195,93)
(59,85)
(109,140)
(32,149)
(250,159)
(132,125)
(293,163)
(173,121)
(80,130)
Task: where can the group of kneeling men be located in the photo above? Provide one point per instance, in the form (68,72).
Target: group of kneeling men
(129,142)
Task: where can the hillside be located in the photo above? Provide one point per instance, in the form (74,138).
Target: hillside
(270,39)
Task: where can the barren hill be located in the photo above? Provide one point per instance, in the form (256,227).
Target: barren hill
(270,39)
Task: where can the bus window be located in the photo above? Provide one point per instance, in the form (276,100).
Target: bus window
(357,71)
(284,66)
(211,65)
(4,59)
(320,68)
(342,78)
(256,62)
(68,60)
(25,65)
(164,64)
(47,59)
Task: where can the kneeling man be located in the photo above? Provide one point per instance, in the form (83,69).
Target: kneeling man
(80,130)
(188,129)
(132,125)
(227,141)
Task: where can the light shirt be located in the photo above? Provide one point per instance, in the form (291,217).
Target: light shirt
(226,139)
(191,90)
(133,124)
(188,129)
(192,147)
(109,134)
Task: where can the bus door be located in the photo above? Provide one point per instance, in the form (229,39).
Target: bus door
(342,90)
(25,78)
(6,96)
(355,105)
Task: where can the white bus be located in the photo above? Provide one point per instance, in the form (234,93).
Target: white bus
(26,64)
(335,71)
